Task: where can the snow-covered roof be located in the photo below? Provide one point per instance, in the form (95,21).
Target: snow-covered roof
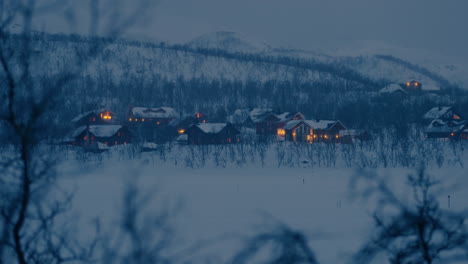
(314,124)
(320,124)
(259,114)
(97,111)
(391,88)
(98,130)
(292,124)
(183,137)
(286,116)
(211,127)
(159,112)
(441,126)
(239,116)
(437,112)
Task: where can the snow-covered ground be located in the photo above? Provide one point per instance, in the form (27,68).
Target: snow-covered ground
(221,206)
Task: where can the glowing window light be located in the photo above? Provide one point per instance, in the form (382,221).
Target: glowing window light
(181,131)
(130,120)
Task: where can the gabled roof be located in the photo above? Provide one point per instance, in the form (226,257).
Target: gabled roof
(160,112)
(286,116)
(260,114)
(211,127)
(292,124)
(322,124)
(85,114)
(98,130)
(314,124)
(437,112)
(392,88)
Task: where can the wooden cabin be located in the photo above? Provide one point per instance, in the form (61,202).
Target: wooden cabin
(212,133)
(264,120)
(311,131)
(452,129)
(151,116)
(96,117)
(442,113)
(108,135)
(180,125)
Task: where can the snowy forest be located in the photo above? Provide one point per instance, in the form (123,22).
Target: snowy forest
(222,149)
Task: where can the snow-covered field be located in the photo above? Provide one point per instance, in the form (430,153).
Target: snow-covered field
(222,206)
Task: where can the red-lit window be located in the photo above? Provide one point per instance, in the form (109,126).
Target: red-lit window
(85,138)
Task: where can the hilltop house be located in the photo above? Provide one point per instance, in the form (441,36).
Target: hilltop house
(311,131)
(95,117)
(393,89)
(264,120)
(413,86)
(443,113)
(109,135)
(212,133)
(453,129)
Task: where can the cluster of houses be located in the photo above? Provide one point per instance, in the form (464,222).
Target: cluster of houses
(98,130)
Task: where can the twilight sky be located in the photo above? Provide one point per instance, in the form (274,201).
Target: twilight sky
(440,26)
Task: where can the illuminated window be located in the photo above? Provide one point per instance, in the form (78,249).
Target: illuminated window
(142,120)
(281,132)
(455,116)
(85,138)
(408,84)
(136,119)
(181,131)
(158,123)
(130,119)
(336,136)
(452,134)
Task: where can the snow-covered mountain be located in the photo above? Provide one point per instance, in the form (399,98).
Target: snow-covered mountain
(229,41)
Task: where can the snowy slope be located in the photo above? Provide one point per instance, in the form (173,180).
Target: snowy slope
(230,41)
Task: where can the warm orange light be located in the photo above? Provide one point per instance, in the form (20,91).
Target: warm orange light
(142,120)
(315,136)
(294,133)
(455,116)
(325,136)
(136,119)
(281,132)
(452,134)
(130,119)
(408,84)
(158,123)
(336,136)
(181,131)
(198,115)
(309,137)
